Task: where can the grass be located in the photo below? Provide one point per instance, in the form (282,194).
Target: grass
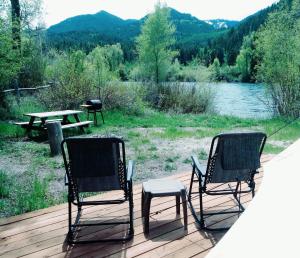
(29,176)
(203,155)
(4,185)
(23,194)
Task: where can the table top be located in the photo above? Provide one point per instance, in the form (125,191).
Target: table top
(163,186)
(54,113)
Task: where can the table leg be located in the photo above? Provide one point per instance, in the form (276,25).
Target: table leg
(65,120)
(30,126)
(78,121)
(142,203)
(43,122)
(146,207)
(76,118)
(184,206)
(177,204)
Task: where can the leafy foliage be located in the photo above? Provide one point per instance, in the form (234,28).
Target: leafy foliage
(70,76)
(279,48)
(154,45)
(245,61)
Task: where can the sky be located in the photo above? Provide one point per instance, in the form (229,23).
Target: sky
(58,10)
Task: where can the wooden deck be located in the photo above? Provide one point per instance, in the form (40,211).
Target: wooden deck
(42,233)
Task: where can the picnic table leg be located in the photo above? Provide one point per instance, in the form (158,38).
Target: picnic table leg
(78,121)
(66,120)
(42,125)
(30,125)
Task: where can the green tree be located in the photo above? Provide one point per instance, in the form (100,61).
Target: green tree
(114,56)
(100,65)
(245,59)
(9,67)
(105,62)
(215,70)
(278,46)
(154,45)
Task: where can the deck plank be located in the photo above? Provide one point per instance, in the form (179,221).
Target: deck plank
(42,233)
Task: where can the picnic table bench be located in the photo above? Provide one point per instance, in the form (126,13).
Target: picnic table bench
(40,124)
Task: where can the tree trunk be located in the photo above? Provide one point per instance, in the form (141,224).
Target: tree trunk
(16,36)
(16,24)
(55,136)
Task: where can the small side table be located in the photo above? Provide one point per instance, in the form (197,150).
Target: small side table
(162,188)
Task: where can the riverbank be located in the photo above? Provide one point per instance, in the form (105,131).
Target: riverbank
(160,143)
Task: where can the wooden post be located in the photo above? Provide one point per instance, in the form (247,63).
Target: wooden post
(55,136)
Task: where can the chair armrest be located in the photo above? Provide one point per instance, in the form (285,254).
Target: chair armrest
(198,167)
(130,170)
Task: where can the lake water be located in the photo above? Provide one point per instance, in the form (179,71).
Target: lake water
(241,99)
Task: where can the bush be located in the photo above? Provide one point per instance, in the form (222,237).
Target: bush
(72,83)
(124,96)
(180,97)
(194,73)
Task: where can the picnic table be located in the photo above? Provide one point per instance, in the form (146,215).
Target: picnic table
(63,116)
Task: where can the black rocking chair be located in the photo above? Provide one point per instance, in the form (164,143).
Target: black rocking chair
(96,165)
(233,158)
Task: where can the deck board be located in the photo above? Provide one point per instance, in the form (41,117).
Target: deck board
(42,233)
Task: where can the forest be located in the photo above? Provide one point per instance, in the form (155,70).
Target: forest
(164,46)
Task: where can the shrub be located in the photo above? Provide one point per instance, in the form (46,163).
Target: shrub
(180,97)
(72,83)
(124,96)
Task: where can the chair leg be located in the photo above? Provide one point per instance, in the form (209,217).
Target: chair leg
(191,185)
(131,229)
(70,231)
(202,224)
(253,189)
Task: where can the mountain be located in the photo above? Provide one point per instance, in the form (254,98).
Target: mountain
(220,38)
(87,31)
(113,26)
(229,43)
(101,22)
(221,23)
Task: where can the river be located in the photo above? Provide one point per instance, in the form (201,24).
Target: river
(241,99)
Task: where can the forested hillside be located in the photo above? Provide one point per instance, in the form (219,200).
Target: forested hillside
(227,46)
(88,31)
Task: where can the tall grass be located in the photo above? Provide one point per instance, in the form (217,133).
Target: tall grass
(25,194)
(180,97)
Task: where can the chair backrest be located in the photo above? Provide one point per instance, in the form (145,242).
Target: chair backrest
(234,157)
(95,164)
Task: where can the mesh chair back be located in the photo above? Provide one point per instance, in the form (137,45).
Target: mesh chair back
(95,164)
(234,157)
